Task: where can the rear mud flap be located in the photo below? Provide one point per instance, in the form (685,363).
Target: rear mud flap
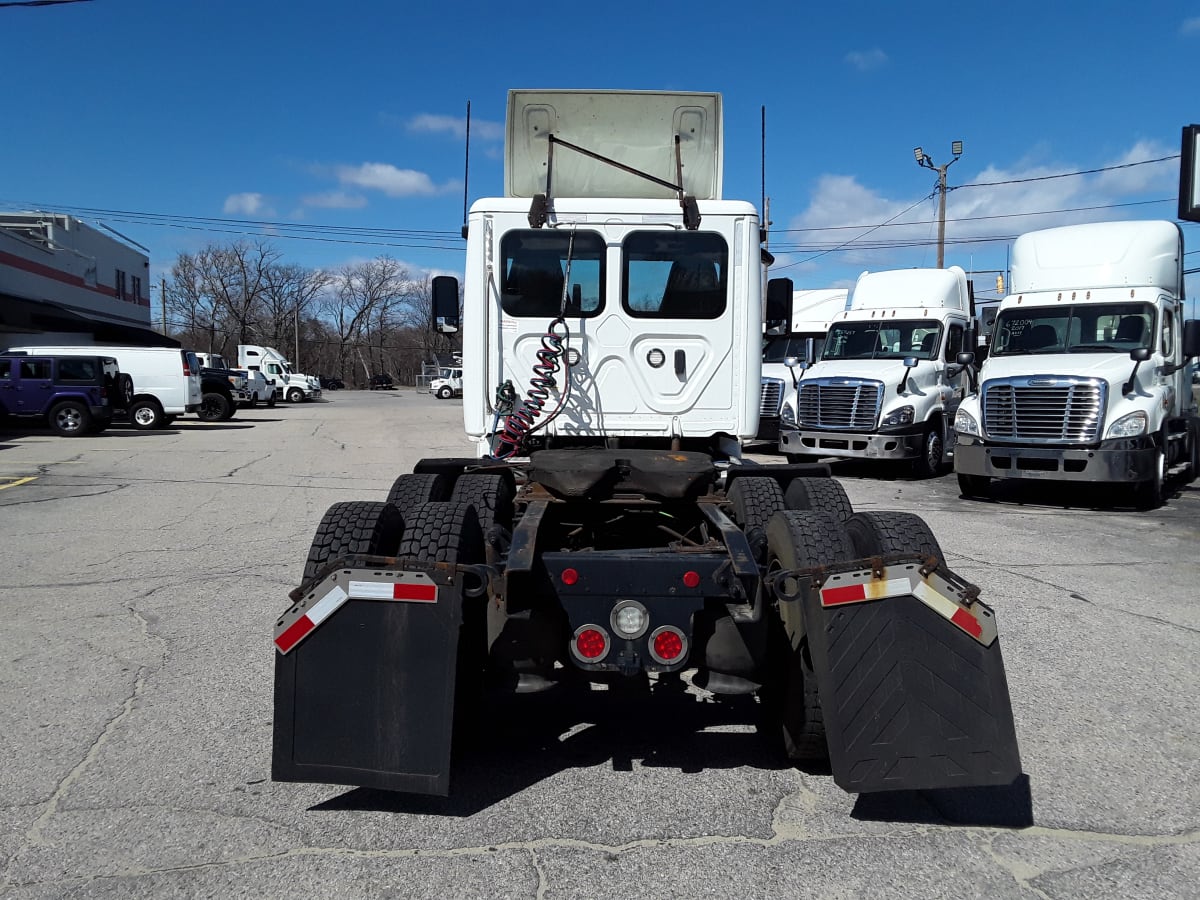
(365,696)
(910,701)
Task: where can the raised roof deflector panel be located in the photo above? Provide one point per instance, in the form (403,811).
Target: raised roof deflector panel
(636,128)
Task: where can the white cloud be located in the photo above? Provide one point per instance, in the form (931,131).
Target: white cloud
(866,60)
(1190,26)
(335,200)
(390,180)
(997,203)
(248,204)
(457,126)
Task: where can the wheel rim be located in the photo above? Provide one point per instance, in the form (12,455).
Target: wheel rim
(143,415)
(69,419)
(933,451)
(210,409)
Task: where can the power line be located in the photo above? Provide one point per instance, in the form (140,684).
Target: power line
(1143,162)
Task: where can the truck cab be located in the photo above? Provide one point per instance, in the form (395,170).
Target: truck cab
(290,386)
(1087,375)
(888,381)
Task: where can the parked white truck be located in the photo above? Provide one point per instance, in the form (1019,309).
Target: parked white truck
(290,386)
(802,337)
(888,380)
(1087,376)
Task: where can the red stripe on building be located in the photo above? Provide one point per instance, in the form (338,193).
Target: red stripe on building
(851,593)
(418,593)
(294,633)
(967,623)
(34,268)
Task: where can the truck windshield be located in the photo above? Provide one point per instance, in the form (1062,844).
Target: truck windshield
(782,346)
(894,339)
(1082,328)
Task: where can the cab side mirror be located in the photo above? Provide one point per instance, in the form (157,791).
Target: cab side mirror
(445,304)
(1140,354)
(965,358)
(1191,338)
(779,302)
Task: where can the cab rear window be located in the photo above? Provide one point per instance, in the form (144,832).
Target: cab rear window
(675,275)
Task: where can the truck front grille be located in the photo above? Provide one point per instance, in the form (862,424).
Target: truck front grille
(1045,409)
(770,398)
(839,403)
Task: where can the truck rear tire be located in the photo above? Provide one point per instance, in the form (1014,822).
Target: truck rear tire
(352,528)
(411,490)
(798,540)
(70,418)
(880,533)
(491,495)
(818,495)
(754,502)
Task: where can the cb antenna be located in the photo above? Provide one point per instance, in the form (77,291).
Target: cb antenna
(466,169)
(763,232)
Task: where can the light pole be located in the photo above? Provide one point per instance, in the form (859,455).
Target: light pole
(927,162)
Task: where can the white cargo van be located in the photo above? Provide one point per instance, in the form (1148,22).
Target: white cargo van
(166,380)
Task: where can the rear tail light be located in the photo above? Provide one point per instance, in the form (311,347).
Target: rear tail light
(590,643)
(668,645)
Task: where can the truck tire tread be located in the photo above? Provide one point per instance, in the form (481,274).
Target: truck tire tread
(352,528)
(878,533)
(413,489)
(491,495)
(818,494)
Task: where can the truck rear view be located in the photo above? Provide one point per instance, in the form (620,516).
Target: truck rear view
(609,530)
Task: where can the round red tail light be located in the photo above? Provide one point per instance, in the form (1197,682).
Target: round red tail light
(590,644)
(569,576)
(691,579)
(667,644)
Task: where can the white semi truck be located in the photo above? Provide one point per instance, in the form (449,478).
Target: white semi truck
(800,337)
(1087,376)
(608,529)
(290,386)
(888,381)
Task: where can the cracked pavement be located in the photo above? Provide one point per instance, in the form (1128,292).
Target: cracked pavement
(143,573)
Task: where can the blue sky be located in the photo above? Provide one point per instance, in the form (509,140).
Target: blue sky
(342,116)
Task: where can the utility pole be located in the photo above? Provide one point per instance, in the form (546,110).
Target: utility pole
(296,318)
(162,301)
(924,161)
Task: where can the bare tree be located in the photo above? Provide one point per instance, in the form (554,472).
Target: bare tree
(359,291)
(289,291)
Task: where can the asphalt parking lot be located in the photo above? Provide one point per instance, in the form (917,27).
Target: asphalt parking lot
(143,573)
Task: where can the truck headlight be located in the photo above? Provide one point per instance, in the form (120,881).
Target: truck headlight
(787,415)
(898,417)
(1129,426)
(965,422)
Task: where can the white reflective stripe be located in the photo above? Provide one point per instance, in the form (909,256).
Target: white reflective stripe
(893,587)
(371,590)
(322,609)
(931,598)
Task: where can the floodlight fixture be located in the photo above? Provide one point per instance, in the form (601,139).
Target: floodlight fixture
(956,148)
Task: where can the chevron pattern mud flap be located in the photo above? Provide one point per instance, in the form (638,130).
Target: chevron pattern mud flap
(364,681)
(911,700)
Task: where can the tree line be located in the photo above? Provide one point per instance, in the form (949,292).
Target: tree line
(352,322)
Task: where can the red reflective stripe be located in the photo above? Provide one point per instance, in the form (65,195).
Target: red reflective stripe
(967,623)
(848,594)
(421,593)
(294,633)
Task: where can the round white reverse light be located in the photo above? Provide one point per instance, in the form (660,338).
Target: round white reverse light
(629,620)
